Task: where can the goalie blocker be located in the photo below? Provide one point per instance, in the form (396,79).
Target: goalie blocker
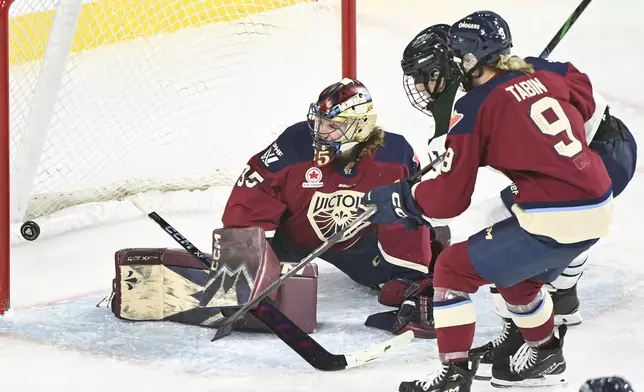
(160,284)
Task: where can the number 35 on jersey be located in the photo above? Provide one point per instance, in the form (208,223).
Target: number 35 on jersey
(249,178)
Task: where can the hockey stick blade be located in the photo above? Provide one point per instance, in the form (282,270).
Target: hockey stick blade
(311,351)
(226,327)
(376,351)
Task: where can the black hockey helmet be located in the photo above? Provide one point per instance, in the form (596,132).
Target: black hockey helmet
(480,39)
(427,58)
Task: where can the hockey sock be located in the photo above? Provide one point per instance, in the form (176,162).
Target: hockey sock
(535,320)
(454,318)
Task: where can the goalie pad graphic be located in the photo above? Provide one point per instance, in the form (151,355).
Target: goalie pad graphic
(167,284)
(243,264)
(160,284)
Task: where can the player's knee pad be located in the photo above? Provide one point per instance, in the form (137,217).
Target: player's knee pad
(571,275)
(452,308)
(534,313)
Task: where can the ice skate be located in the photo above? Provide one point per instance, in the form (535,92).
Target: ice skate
(450,377)
(533,366)
(566,304)
(501,348)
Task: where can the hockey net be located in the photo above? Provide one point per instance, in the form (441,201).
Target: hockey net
(111,98)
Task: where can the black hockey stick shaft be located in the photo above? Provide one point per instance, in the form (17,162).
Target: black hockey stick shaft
(311,351)
(298,340)
(181,240)
(564,29)
(174,233)
(430,166)
(225,328)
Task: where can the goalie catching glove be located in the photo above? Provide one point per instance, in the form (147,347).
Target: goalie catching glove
(413,300)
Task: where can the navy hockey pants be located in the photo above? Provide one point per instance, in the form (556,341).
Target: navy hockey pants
(506,254)
(362,262)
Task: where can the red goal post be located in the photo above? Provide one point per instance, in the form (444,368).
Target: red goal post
(73,72)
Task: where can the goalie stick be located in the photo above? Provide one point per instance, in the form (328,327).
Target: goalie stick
(226,327)
(285,329)
(312,352)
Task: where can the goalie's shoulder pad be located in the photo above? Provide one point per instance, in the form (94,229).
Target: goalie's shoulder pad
(395,149)
(293,146)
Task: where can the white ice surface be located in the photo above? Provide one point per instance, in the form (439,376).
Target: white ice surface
(55,339)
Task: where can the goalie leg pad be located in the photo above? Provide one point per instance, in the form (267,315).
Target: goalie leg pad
(167,284)
(160,284)
(244,265)
(297,298)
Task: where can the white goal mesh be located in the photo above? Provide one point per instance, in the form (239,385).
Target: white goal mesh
(115,97)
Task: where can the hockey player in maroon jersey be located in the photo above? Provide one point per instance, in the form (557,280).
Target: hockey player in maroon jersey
(428,69)
(527,122)
(308,184)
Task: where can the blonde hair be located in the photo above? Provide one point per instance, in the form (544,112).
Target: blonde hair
(375,140)
(514,63)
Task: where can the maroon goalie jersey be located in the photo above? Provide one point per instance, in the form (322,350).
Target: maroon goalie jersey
(531,128)
(281,187)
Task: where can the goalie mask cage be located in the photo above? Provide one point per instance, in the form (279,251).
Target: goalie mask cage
(102,99)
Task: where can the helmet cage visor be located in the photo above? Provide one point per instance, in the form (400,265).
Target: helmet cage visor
(433,81)
(328,130)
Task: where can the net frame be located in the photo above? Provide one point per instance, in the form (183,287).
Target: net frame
(9,231)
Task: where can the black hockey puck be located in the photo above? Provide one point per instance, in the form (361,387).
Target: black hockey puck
(30,230)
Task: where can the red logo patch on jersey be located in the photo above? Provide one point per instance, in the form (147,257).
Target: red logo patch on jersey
(456,117)
(313,177)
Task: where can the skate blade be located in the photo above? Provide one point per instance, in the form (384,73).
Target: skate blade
(484,372)
(568,319)
(551,380)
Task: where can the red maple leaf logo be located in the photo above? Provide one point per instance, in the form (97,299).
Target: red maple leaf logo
(313,175)
(456,117)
